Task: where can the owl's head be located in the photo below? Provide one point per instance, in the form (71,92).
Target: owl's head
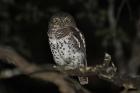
(61,20)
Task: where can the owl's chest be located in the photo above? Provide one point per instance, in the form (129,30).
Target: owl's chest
(65,53)
(62,44)
(63,47)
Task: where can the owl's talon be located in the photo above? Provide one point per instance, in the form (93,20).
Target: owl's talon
(68,68)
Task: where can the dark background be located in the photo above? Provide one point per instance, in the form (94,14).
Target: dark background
(24,25)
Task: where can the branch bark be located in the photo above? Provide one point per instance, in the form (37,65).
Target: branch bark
(26,68)
(59,75)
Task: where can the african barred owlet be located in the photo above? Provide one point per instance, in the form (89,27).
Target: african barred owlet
(67,43)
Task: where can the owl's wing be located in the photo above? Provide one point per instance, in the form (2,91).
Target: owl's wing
(79,42)
(75,35)
(78,38)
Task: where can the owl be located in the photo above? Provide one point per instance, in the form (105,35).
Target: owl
(67,43)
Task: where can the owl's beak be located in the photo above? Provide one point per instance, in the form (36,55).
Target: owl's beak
(56,27)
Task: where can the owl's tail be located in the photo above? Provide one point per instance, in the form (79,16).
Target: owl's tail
(83,80)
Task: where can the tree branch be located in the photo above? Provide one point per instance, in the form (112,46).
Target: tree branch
(59,75)
(64,83)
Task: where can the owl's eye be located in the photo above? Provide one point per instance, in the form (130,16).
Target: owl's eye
(56,20)
(67,20)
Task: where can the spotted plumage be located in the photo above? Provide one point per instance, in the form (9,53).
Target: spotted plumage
(67,43)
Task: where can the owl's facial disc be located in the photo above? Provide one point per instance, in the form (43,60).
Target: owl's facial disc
(55,22)
(68,21)
(61,21)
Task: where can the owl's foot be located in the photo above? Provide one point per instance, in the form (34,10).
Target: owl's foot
(69,68)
